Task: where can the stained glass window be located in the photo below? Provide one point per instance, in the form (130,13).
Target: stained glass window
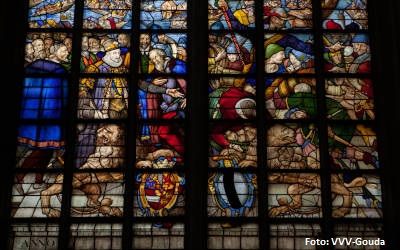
(270,130)
(314,120)
(160,90)
(232,193)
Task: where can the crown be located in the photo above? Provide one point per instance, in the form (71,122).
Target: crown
(110,45)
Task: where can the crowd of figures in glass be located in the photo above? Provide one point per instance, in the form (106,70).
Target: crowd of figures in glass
(231,14)
(105,53)
(163,53)
(344,14)
(162,97)
(51,13)
(163,14)
(231,53)
(347,53)
(287,14)
(48,53)
(289,53)
(111,14)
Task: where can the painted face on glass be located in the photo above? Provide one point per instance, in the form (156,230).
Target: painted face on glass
(294,63)
(48,42)
(29,49)
(277,58)
(108,135)
(281,135)
(94,45)
(115,55)
(144,41)
(85,45)
(360,48)
(123,40)
(298,115)
(337,57)
(68,44)
(62,53)
(38,45)
(222,4)
(233,57)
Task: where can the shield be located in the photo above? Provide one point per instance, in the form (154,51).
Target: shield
(233,191)
(158,192)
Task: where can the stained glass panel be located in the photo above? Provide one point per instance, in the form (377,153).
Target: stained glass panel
(158,236)
(232,98)
(97,194)
(294,195)
(289,53)
(289,14)
(230,53)
(290,98)
(51,13)
(163,14)
(293,146)
(347,53)
(162,98)
(34,236)
(100,146)
(231,236)
(103,98)
(163,53)
(232,194)
(43,98)
(344,15)
(349,99)
(292,236)
(105,53)
(159,194)
(48,53)
(96,236)
(107,14)
(356,195)
(353,147)
(40,147)
(233,146)
(36,195)
(231,14)
(159,146)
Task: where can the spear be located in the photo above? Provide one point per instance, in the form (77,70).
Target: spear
(234,39)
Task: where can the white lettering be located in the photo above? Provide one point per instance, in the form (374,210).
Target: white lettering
(341,241)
